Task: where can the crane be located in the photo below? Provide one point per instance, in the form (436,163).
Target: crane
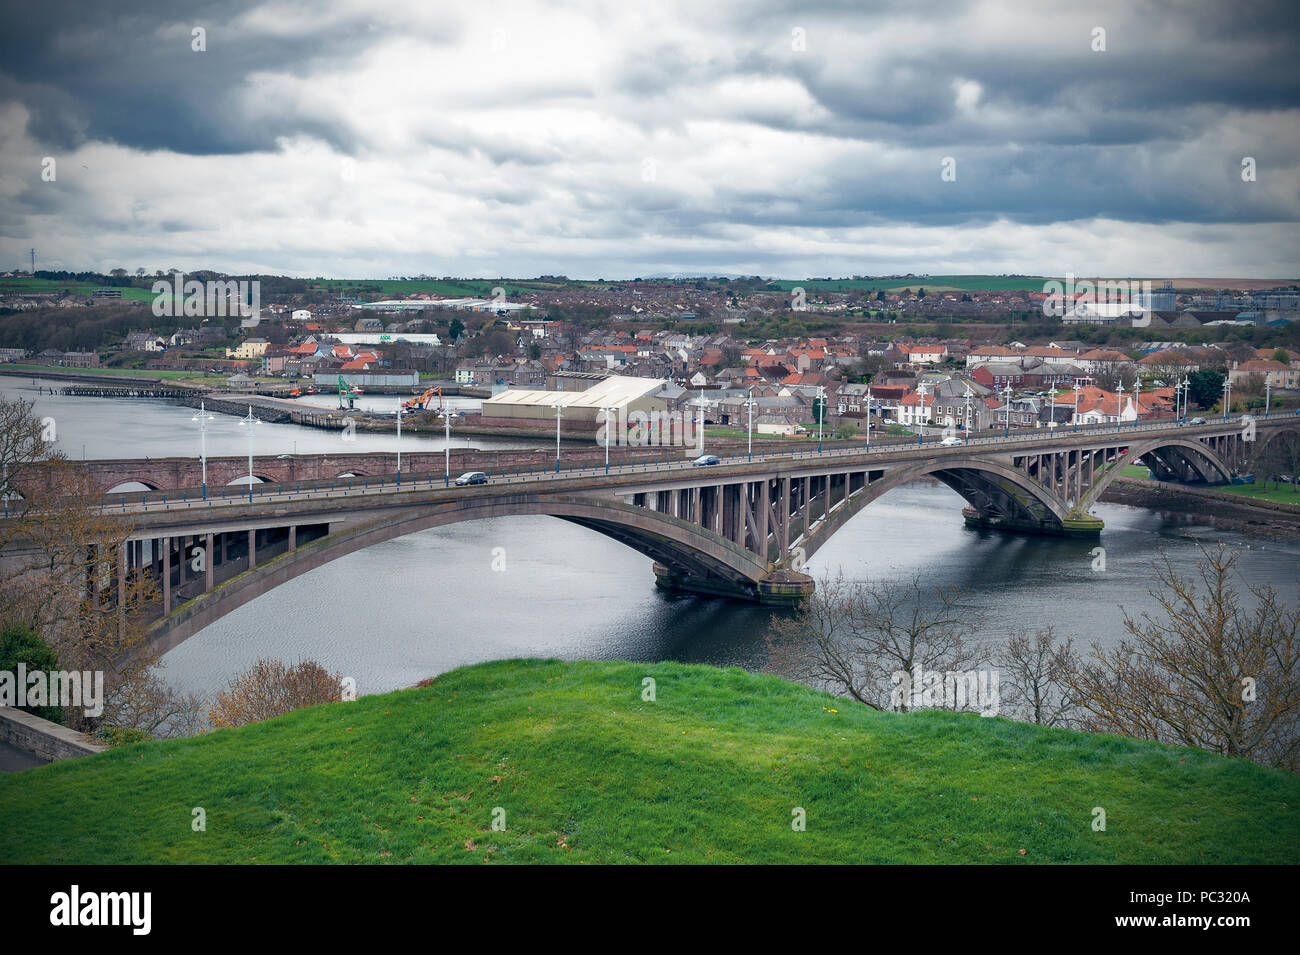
(347,396)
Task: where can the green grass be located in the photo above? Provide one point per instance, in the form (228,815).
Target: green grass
(129,293)
(1279,494)
(586,771)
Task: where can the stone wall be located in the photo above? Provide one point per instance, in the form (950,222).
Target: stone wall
(43,738)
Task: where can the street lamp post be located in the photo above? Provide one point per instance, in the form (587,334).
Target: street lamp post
(700,403)
(558,409)
(821,414)
(203,418)
(607,409)
(920,428)
(868,417)
(399,442)
(1076,407)
(1268,387)
(1006,406)
(968,416)
(749,403)
(248,423)
(1187,393)
(1227,397)
(446,447)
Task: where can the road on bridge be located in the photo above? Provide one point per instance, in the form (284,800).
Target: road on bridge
(152,502)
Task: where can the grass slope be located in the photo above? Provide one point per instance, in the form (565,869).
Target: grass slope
(587,771)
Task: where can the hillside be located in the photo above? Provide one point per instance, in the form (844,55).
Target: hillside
(587,771)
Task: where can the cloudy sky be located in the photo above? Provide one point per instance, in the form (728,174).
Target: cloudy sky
(615,139)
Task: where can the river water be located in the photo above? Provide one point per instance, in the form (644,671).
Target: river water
(411,608)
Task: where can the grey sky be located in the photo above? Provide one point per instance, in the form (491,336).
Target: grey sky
(607,139)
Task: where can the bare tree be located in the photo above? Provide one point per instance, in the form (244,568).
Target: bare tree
(1033,670)
(855,638)
(272,688)
(1209,673)
(60,561)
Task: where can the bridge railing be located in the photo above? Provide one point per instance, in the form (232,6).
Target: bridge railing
(678,458)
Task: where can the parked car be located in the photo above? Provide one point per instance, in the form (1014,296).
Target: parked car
(704,460)
(950,442)
(1196,421)
(471,477)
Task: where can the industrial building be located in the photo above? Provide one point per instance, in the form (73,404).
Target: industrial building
(625,395)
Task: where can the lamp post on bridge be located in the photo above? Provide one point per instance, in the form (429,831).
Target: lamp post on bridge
(558,409)
(967,414)
(248,423)
(700,404)
(1187,391)
(203,418)
(868,417)
(1075,420)
(399,442)
(821,414)
(921,414)
(1268,387)
(749,403)
(1006,405)
(446,447)
(607,409)
(1227,398)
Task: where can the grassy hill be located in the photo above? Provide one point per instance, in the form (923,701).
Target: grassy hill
(586,771)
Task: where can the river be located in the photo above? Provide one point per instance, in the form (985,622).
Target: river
(411,608)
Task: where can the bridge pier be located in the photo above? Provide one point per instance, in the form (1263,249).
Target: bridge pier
(1081,525)
(780,588)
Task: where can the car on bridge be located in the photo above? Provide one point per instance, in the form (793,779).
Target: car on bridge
(1196,421)
(471,477)
(950,442)
(704,460)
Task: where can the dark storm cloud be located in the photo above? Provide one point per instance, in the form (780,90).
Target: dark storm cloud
(125,72)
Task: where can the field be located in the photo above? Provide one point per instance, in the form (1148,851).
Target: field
(573,763)
(46,285)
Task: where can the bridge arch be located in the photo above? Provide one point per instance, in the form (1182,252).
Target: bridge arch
(1204,460)
(132,485)
(683,548)
(241,480)
(989,486)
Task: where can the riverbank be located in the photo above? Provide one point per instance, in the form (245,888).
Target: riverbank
(1229,511)
(714,769)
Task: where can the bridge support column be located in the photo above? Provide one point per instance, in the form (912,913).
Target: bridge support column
(764,507)
(208,562)
(252,549)
(166,574)
(784,514)
(293,538)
